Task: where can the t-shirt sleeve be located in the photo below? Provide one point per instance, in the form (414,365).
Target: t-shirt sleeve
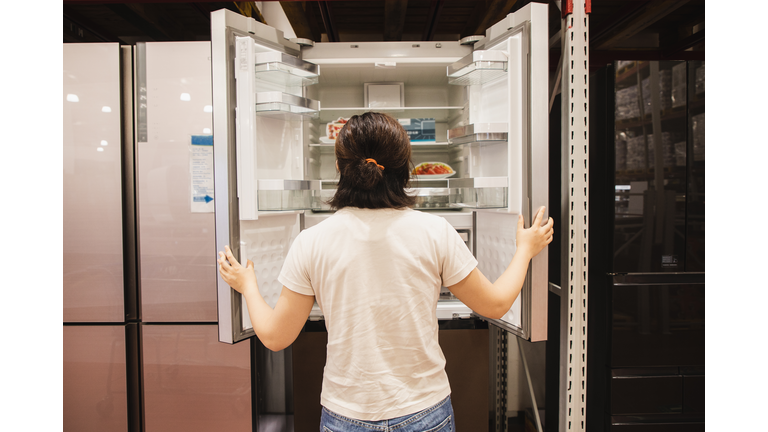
(295,272)
(457,261)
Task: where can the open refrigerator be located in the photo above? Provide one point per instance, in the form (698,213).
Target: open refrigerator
(274,165)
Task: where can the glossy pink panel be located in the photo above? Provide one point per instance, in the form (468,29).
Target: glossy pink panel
(193,382)
(94,379)
(92,236)
(178,255)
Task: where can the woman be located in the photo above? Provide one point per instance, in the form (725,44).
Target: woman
(375,268)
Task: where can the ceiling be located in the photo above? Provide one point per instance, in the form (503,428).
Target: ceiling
(619,29)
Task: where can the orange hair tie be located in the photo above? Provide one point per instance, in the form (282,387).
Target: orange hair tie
(373,161)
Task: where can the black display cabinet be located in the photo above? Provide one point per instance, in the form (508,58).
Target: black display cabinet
(646,275)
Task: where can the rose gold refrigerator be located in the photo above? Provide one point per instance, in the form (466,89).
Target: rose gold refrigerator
(141,350)
(274,169)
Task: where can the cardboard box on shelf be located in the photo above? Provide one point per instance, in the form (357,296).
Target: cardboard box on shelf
(636,154)
(665,92)
(698,137)
(679,80)
(626,103)
(621,152)
(680,153)
(700,79)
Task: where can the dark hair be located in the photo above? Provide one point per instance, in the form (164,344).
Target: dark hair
(365,184)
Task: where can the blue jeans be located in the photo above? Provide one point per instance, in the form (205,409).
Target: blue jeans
(437,418)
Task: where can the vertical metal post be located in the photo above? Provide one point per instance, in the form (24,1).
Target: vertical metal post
(498,375)
(574,218)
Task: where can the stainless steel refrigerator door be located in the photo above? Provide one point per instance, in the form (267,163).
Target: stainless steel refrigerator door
(523,37)
(93,218)
(175,181)
(269,237)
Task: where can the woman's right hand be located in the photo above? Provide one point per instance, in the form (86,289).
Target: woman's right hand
(532,240)
(235,275)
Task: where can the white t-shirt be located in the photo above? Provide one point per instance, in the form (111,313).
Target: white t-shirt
(376,275)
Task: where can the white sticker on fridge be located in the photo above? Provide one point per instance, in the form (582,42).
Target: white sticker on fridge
(201,173)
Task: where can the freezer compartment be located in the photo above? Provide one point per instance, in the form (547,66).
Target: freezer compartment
(285,70)
(275,195)
(94,378)
(193,383)
(279,103)
(480,67)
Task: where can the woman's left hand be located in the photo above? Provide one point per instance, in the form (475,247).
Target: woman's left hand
(235,275)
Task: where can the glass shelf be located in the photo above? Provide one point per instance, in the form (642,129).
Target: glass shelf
(481,133)
(279,103)
(445,194)
(277,195)
(481,192)
(283,69)
(479,67)
(439,113)
(415,146)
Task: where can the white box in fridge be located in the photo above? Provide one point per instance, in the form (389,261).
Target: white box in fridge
(384,95)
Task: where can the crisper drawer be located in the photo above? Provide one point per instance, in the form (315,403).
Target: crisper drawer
(443,194)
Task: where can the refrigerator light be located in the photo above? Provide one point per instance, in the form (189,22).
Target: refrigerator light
(103,142)
(106,109)
(185,97)
(72,98)
(99,149)
(208,108)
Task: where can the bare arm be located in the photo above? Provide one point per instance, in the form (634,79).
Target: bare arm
(493,300)
(276,328)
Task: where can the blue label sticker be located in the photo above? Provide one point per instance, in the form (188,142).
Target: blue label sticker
(206,140)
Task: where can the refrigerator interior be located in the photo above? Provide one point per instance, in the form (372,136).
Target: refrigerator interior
(273,100)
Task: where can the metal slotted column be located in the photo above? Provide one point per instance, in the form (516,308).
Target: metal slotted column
(575,212)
